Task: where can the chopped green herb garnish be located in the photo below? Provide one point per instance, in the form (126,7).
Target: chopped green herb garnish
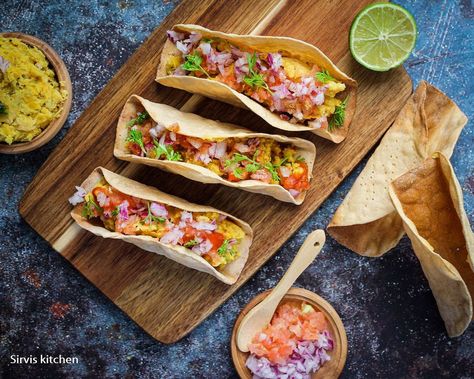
(150,218)
(337,119)
(88,208)
(207,40)
(167,151)
(140,119)
(115,212)
(3,108)
(253,79)
(225,249)
(136,136)
(193,63)
(253,166)
(190,243)
(324,77)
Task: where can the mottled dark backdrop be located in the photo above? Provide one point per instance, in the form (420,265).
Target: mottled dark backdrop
(392,322)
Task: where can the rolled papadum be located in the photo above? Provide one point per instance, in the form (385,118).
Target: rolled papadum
(430,203)
(228,274)
(366,222)
(192,125)
(298,52)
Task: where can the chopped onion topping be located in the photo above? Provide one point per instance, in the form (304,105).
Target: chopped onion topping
(173,236)
(156,131)
(78,196)
(195,142)
(102,199)
(203,247)
(158,210)
(200,225)
(221,148)
(307,358)
(123,211)
(174,36)
(285,171)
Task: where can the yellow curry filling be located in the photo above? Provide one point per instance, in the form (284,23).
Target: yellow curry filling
(297,91)
(209,234)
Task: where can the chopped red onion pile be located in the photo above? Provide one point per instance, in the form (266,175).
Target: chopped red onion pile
(307,357)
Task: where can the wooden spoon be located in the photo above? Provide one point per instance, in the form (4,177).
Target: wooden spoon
(260,316)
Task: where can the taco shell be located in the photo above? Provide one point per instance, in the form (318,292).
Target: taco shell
(430,203)
(231,271)
(289,47)
(366,222)
(193,125)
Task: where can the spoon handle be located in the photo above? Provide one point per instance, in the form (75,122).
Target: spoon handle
(261,314)
(310,249)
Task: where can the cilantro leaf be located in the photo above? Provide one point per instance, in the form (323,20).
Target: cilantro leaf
(135,136)
(150,218)
(115,212)
(88,207)
(253,79)
(324,76)
(140,119)
(193,63)
(337,119)
(167,151)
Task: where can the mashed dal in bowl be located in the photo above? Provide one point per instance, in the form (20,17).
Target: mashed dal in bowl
(31,96)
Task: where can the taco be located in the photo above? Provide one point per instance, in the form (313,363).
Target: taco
(366,222)
(199,237)
(214,152)
(429,201)
(289,83)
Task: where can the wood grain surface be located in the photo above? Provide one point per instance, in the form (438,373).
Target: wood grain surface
(166,299)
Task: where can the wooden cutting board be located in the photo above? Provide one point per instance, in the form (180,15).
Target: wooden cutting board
(164,298)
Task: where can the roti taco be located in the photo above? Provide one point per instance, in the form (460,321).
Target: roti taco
(289,83)
(214,152)
(199,237)
(366,222)
(430,203)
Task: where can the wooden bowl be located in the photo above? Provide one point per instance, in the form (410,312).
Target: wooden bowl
(65,83)
(329,370)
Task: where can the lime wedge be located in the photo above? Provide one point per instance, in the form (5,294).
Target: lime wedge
(382,36)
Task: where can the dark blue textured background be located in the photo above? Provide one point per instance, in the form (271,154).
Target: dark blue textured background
(392,322)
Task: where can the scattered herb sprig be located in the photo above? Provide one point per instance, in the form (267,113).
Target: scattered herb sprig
(253,166)
(3,108)
(193,63)
(136,136)
(254,79)
(140,119)
(167,151)
(88,207)
(225,249)
(150,218)
(337,119)
(324,76)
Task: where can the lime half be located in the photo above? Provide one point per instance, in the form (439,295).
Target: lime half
(382,36)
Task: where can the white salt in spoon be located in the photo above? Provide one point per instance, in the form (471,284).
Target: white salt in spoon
(260,316)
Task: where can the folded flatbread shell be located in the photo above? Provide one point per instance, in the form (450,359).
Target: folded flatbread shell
(180,254)
(429,201)
(289,47)
(366,222)
(192,125)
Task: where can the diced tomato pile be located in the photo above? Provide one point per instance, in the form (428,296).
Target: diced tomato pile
(288,326)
